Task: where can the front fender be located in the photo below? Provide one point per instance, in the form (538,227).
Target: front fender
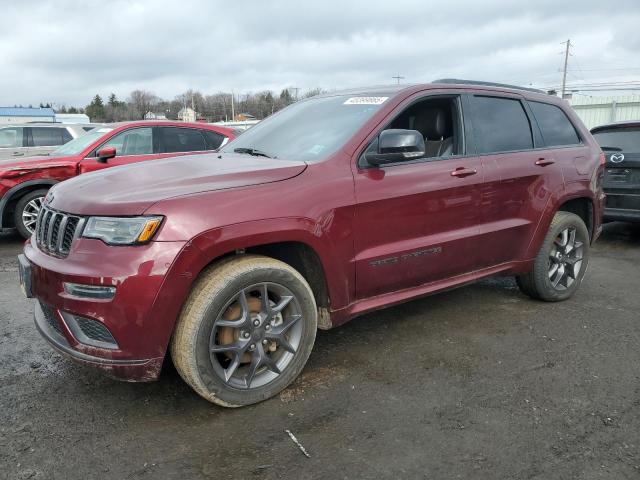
(14,192)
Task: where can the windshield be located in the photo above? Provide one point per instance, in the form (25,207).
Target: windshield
(627,140)
(77,145)
(309,130)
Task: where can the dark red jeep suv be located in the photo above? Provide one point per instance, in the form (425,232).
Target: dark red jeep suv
(24,182)
(333,207)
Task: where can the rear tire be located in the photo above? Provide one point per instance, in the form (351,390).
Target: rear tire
(27,210)
(560,265)
(246,330)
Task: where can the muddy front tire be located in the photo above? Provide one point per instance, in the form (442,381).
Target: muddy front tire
(246,330)
(560,265)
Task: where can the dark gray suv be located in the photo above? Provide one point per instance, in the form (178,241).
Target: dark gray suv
(621,144)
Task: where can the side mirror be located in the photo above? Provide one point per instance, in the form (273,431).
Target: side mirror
(397,145)
(106,153)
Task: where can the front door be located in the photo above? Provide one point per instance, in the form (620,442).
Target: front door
(414,220)
(132,145)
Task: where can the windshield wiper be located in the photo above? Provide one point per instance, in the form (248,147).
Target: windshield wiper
(252,151)
(612,149)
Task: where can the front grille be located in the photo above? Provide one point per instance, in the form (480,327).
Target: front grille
(55,231)
(95,330)
(51,317)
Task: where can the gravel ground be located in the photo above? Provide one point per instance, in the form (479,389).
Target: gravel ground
(479,382)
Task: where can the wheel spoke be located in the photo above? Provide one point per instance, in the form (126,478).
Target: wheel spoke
(282,342)
(571,242)
(560,273)
(564,238)
(284,301)
(235,347)
(231,369)
(554,269)
(286,325)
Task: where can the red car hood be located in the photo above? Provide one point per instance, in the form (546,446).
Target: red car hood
(131,189)
(36,162)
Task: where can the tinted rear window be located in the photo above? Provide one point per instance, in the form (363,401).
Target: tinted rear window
(556,128)
(627,139)
(214,139)
(46,137)
(500,125)
(182,140)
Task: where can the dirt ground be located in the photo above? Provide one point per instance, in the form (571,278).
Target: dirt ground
(478,383)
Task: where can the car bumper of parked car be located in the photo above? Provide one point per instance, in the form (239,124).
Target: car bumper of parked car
(122,333)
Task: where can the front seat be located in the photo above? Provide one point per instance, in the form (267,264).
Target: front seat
(432,124)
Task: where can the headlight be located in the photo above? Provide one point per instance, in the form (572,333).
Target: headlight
(122,231)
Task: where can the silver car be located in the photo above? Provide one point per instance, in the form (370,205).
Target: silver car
(28,139)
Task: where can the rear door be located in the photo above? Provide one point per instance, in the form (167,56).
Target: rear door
(621,146)
(12,142)
(520,175)
(415,221)
(136,144)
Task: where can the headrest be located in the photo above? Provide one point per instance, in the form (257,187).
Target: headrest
(431,123)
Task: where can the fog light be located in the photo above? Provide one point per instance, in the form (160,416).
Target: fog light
(89,291)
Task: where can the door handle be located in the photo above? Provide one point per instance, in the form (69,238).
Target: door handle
(463,172)
(543,162)
(17,154)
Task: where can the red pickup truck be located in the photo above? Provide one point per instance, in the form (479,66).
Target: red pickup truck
(24,182)
(333,207)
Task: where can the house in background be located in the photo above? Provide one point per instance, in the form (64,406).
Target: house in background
(26,115)
(154,116)
(243,117)
(596,110)
(187,115)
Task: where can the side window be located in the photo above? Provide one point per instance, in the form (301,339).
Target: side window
(214,139)
(45,136)
(500,125)
(176,139)
(11,137)
(556,128)
(66,136)
(136,141)
(437,119)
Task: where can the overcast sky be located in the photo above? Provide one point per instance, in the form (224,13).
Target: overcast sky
(66,51)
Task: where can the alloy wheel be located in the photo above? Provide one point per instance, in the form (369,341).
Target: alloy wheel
(565,259)
(30,213)
(256,335)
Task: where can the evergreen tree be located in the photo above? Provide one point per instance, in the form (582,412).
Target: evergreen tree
(95,110)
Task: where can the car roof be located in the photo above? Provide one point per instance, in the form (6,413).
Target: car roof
(447,83)
(614,125)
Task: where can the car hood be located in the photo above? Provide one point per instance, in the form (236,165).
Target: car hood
(34,163)
(131,189)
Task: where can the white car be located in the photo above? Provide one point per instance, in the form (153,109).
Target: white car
(21,140)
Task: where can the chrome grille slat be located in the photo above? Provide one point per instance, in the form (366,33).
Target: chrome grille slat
(56,231)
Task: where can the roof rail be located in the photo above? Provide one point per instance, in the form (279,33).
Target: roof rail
(486,84)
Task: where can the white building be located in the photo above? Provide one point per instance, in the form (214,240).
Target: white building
(187,115)
(72,118)
(24,115)
(595,110)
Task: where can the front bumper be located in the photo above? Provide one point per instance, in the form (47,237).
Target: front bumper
(129,370)
(140,316)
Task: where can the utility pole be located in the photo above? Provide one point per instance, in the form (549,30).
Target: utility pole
(564,70)
(398,78)
(296,90)
(233,111)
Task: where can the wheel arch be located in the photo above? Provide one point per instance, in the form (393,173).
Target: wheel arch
(9,200)
(584,208)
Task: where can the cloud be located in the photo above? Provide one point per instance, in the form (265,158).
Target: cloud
(67,51)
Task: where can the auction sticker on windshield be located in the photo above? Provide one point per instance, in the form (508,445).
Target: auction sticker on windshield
(365,100)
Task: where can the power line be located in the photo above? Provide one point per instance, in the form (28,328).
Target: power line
(398,78)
